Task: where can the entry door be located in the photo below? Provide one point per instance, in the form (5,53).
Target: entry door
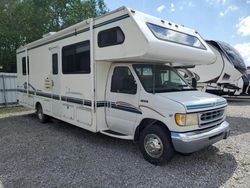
(56,82)
(122,95)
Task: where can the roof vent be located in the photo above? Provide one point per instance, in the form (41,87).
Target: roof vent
(48,34)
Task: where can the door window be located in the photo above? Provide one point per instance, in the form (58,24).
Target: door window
(55,64)
(123,81)
(24,65)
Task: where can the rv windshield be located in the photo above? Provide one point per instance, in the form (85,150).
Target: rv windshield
(160,78)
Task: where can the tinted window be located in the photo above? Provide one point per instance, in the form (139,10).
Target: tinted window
(110,37)
(76,58)
(175,36)
(123,81)
(24,65)
(55,63)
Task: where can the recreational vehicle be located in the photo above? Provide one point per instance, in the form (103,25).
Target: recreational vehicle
(220,77)
(114,75)
(243,85)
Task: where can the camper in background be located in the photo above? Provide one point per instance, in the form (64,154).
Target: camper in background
(221,77)
(243,84)
(114,75)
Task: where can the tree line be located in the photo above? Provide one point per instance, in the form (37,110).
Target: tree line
(24,21)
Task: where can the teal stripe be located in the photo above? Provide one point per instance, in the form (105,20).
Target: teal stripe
(111,21)
(197,106)
(80,31)
(220,103)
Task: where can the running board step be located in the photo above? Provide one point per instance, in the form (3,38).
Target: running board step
(116,134)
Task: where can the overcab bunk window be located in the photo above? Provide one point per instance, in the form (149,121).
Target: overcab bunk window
(24,65)
(76,58)
(170,35)
(110,37)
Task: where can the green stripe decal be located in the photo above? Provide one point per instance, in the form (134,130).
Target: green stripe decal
(197,106)
(80,31)
(111,21)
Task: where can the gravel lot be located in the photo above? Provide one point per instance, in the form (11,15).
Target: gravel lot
(61,155)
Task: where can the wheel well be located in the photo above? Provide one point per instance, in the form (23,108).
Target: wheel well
(145,123)
(37,104)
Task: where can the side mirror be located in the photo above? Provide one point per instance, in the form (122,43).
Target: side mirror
(194,83)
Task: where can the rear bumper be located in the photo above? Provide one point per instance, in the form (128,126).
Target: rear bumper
(193,141)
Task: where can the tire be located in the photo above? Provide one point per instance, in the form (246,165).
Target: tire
(43,118)
(155,145)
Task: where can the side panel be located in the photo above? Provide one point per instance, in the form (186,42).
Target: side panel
(102,71)
(56,80)
(65,96)
(131,33)
(123,109)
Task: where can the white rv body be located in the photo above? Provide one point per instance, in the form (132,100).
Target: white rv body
(85,99)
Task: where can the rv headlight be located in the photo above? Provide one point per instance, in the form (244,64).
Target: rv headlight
(186,119)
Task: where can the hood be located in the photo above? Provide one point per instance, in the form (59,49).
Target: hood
(195,100)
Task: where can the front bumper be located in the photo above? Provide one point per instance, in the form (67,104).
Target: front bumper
(195,140)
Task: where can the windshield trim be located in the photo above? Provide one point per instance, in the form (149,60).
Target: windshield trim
(171,68)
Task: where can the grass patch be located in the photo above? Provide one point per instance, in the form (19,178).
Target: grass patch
(14,109)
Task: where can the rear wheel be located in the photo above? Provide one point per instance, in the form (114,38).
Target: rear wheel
(43,118)
(155,145)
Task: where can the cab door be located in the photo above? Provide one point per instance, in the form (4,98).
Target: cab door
(56,82)
(122,96)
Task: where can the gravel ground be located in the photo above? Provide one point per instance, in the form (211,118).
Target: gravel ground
(61,155)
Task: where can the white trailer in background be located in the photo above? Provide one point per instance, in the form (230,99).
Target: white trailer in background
(114,75)
(243,85)
(220,77)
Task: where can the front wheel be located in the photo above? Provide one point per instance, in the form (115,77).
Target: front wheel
(155,145)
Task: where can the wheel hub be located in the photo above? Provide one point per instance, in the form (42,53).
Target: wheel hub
(153,145)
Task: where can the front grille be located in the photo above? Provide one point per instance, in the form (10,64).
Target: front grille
(211,117)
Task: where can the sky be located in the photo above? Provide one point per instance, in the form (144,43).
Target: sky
(224,20)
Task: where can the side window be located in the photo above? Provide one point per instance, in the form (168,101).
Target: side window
(110,37)
(76,58)
(175,78)
(55,63)
(123,81)
(165,76)
(24,65)
(170,35)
